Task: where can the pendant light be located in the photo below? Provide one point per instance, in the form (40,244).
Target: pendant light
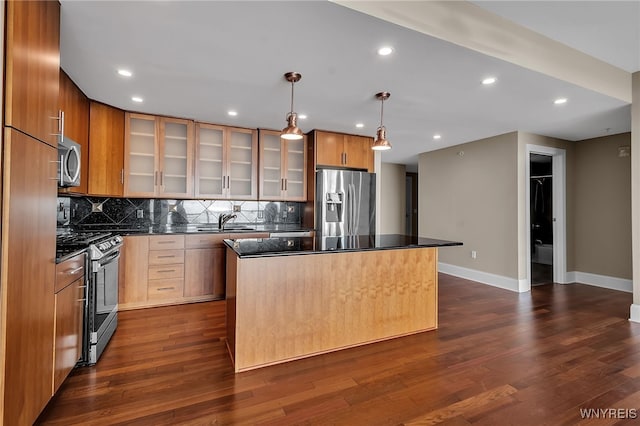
(292,132)
(381,143)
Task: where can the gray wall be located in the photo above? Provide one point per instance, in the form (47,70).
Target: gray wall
(469,193)
(602,221)
(393,198)
(476,193)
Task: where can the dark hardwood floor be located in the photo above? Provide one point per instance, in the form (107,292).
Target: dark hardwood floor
(498,358)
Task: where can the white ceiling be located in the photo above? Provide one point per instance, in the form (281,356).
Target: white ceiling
(199,59)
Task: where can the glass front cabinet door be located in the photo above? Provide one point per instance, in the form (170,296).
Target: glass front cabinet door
(282,167)
(226,162)
(158,156)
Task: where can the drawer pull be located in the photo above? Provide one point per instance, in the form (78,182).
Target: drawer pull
(73,271)
(167,256)
(165,242)
(165,288)
(166,270)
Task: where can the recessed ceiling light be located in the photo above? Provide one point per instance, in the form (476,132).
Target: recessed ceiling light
(136,99)
(489,80)
(125,73)
(560,101)
(359,125)
(302,116)
(437,136)
(385,50)
(232,113)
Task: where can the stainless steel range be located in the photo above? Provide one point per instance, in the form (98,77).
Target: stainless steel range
(101,309)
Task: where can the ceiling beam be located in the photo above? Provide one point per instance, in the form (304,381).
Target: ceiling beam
(470,26)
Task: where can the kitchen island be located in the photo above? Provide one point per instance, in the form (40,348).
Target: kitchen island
(290,298)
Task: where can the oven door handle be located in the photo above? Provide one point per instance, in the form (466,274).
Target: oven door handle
(99,264)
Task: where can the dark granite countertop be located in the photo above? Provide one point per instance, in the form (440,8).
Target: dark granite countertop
(199,228)
(264,247)
(61,256)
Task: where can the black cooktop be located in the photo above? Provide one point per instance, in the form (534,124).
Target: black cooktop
(71,242)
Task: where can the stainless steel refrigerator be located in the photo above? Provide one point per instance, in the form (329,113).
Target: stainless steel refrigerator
(345,207)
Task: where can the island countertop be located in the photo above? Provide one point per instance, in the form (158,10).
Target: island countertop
(266,247)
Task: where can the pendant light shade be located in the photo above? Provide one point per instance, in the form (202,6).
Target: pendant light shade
(381,143)
(292,131)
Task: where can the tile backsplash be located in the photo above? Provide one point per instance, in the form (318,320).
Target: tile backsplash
(134,213)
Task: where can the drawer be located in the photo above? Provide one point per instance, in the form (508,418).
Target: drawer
(69,271)
(205,240)
(165,289)
(159,272)
(166,242)
(166,257)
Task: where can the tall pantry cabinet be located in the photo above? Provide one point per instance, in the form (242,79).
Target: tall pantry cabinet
(29,191)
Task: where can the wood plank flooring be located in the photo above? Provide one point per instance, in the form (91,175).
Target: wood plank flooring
(498,358)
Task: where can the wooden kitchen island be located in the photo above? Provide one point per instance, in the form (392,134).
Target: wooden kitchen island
(290,298)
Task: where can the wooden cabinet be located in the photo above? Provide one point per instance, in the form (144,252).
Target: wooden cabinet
(166,268)
(69,313)
(282,167)
(27,288)
(32,66)
(173,269)
(106,154)
(75,106)
(205,265)
(158,156)
(134,265)
(342,150)
(226,162)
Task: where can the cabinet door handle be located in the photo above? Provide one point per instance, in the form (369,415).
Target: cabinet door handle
(165,242)
(165,288)
(161,178)
(285,183)
(345,159)
(60,118)
(122,176)
(166,270)
(56,176)
(165,256)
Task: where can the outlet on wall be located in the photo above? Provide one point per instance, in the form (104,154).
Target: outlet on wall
(474,254)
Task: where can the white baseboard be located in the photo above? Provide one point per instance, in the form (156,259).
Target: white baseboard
(499,281)
(634,313)
(603,281)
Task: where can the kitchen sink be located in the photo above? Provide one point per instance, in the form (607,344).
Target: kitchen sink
(227,228)
(238,228)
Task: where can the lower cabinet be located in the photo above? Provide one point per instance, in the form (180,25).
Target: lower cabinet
(69,314)
(173,269)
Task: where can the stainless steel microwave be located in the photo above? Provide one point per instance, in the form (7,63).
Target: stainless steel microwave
(69,163)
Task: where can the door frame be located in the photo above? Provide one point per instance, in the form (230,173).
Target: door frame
(559,199)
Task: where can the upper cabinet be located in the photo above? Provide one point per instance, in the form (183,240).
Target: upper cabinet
(75,106)
(32,66)
(106,156)
(158,157)
(282,167)
(342,150)
(226,162)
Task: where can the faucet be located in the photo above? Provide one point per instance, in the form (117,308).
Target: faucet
(224,218)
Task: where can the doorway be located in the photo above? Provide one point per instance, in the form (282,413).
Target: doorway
(554,255)
(541,214)
(411,207)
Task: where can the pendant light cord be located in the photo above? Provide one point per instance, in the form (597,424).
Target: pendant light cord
(381,111)
(292,83)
